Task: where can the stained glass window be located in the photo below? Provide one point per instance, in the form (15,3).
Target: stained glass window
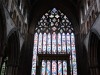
(54,45)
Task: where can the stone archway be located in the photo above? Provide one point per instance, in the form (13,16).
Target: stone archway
(11,54)
(2,32)
(93,54)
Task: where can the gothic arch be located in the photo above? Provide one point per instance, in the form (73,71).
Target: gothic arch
(2,30)
(85,60)
(25,61)
(54,25)
(94,53)
(42,7)
(11,55)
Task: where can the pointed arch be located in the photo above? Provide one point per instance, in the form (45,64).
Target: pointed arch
(54,37)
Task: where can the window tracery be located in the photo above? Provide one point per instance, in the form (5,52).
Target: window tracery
(54,35)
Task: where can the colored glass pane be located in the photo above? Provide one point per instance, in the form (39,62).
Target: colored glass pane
(63,43)
(54,43)
(44,42)
(54,68)
(51,16)
(59,67)
(54,28)
(57,16)
(59,42)
(54,10)
(73,54)
(40,43)
(48,71)
(64,68)
(34,54)
(54,20)
(68,42)
(35,43)
(49,43)
(43,67)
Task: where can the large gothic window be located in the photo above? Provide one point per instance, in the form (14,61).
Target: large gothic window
(54,45)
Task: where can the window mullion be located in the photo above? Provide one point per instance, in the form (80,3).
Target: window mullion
(46,41)
(38,43)
(42,42)
(50,36)
(57,43)
(57,67)
(62,66)
(61,43)
(45,67)
(51,66)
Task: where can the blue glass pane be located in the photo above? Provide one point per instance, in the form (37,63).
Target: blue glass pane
(54,10)
(54,43)
(49,43)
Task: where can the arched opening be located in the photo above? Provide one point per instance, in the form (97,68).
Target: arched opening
(94,53)
(11,56)
(2,32)
(98,55)
(54,45)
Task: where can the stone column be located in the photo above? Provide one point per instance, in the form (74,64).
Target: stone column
(98,5)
